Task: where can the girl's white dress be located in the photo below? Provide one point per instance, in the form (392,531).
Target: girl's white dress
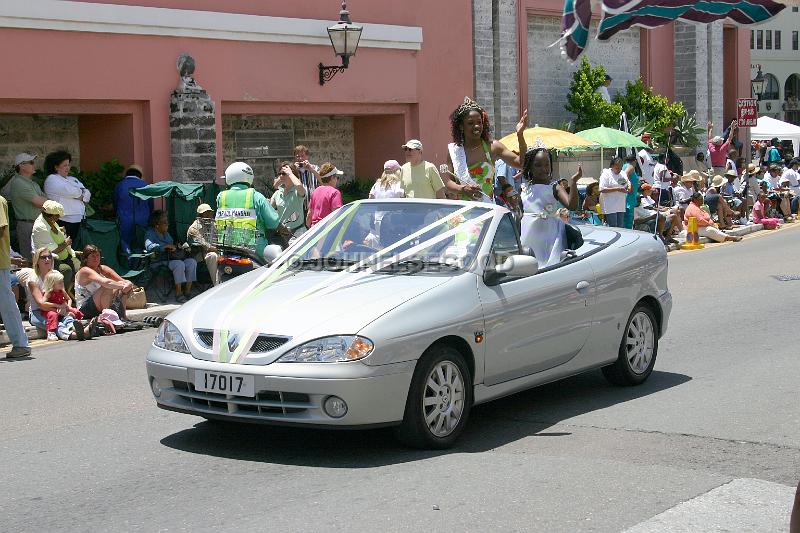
(541,228)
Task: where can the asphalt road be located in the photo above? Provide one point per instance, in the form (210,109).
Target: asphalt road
(710,442)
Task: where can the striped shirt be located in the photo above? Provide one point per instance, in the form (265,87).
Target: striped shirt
(309,181)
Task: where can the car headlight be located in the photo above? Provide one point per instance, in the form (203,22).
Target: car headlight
(330,350)
(169,338)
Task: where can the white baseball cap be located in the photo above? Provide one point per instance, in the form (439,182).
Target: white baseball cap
(23,158)
(413,144)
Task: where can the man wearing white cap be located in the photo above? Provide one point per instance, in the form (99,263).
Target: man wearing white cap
(418,177)
(199,238)
(718,148)
(26,198)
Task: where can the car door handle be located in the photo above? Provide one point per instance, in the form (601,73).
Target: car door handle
(582,286)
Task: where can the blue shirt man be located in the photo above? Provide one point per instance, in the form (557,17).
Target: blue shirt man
(131,211)
(503,171)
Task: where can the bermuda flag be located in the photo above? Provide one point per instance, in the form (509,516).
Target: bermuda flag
(620,15)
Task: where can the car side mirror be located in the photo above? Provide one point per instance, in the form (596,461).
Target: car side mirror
(519,266)
(272,252)
(516,266)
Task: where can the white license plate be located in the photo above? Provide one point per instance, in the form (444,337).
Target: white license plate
(224,383)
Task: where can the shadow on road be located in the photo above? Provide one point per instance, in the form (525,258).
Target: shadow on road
(527,414)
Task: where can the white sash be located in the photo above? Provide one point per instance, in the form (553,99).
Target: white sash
(459,158)
(460,168)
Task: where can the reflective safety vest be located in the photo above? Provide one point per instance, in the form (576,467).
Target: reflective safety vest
(236,225)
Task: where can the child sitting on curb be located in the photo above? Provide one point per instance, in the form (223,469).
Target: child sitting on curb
(54,293)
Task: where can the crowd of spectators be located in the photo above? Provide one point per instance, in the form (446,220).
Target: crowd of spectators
(722,192)
(66,294)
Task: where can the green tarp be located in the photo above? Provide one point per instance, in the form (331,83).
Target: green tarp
(105,235)
(164,189)
(182,200)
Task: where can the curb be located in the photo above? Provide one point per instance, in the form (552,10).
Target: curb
(738,232)
(158,310)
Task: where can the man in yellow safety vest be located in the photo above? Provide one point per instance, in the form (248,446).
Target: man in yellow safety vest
(244,215)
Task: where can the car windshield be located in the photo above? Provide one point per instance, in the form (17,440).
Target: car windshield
(395,237)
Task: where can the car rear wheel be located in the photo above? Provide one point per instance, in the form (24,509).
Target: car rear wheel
(637,350)
(439,400)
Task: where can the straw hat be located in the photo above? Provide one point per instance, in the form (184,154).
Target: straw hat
(718,181)
(693,175)
(753,169)
(51,207)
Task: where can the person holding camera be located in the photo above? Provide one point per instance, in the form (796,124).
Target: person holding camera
(307,172)
(288,200)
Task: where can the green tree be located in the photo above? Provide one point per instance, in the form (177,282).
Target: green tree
(639,100)
(586,103)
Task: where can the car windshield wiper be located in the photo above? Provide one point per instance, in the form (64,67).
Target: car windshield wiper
(412,266)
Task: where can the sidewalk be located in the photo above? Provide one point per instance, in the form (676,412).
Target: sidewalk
(152,309)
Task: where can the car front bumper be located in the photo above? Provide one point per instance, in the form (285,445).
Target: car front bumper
(286,393)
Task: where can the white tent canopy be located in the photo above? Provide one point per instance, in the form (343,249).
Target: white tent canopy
(768,128)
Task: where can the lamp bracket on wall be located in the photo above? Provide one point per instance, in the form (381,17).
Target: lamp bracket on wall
(327,72)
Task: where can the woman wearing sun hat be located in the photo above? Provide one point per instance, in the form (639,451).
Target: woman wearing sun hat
(48,234)
(326,198)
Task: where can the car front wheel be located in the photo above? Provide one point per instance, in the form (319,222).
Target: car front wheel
(637,350)
(439,400)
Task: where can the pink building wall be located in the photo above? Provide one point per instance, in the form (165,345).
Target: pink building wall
(657,60)
(104,74)
(736,43)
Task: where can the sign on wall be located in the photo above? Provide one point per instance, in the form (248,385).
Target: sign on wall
(264,149)
(746,112)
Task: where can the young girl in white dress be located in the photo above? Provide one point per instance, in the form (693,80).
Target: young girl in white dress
(541,228)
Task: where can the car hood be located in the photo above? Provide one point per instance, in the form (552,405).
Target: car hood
(300,305)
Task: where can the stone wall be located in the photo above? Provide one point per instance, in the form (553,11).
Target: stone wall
(192,137)
(550,74)
(244,137)
(495,55)
(38,135)
(698,71)
(686,65)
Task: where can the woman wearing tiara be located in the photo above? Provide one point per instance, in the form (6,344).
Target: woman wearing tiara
(541,228)
(472,153)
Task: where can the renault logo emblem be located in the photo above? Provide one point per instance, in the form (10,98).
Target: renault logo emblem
(233,342)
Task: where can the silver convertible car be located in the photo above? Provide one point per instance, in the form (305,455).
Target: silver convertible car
(407,313)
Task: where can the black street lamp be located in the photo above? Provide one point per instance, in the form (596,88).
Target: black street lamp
(344,37)
(757,84)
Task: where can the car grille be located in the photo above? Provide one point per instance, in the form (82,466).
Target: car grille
(263,344)
(269,404)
